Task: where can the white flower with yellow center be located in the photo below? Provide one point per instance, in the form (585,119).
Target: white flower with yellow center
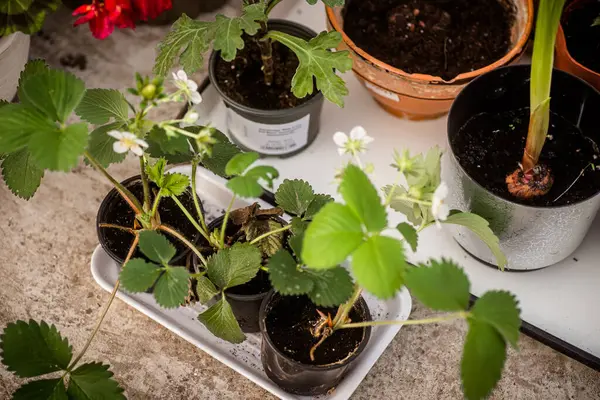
(187,86)
(356,143)
(127,141)
(439,208)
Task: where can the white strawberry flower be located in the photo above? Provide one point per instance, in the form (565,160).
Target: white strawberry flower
(190,118)
(439,208)
(356,143)
(187,86)
(127,141)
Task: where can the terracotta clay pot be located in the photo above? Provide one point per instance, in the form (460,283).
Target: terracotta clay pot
(563,59)
(419,96)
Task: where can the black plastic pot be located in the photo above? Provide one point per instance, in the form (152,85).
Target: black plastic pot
(281,133)
(531,237)
(171,215)
(299,378)
(245,307)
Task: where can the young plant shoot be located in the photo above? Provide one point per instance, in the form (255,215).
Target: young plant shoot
(533,179)
(190,39)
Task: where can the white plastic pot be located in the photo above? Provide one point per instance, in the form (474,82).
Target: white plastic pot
(14,51)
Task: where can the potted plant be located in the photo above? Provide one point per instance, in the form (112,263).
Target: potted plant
(272,74)
(415,57)
(577,41)
(539,202)
(308,342)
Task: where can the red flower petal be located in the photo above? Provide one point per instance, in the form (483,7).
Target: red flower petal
(150,9)
(85,18)
(101,26)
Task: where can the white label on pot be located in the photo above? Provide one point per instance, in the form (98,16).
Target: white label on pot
(275,139)
(382,92)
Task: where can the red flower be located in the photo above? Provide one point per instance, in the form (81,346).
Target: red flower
(150,9)
(104,15)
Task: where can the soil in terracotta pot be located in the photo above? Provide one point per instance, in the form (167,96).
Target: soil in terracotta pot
(489,146)
(121,214)
(583,39)
(243,79)
(288,324)
(436,37)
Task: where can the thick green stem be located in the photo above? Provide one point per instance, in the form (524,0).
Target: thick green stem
(145,184)
(413,200)
(273,232)
(190,218)
(195,196)
(123,191)
(105,311)
(156,202)
(345,308)
(444,318)
(182,238)
(225,219)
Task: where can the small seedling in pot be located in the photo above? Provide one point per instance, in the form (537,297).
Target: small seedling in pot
(533,179)
(190,39)
(359,229)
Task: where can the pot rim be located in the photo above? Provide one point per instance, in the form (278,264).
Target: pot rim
(7,41)
(346,361)
(317,97)
(462,93)
(561,44)
(514,53)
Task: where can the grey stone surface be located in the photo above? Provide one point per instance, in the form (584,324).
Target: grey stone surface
(44,274)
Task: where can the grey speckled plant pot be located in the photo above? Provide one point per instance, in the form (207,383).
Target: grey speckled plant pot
(531,237)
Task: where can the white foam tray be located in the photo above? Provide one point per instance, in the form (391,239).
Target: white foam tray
(245,358)
(560,300)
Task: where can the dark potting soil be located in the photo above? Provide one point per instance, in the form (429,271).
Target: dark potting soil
(583,39)
(288,324)
(243,80)
(489,146)
(436,37)
(121,214)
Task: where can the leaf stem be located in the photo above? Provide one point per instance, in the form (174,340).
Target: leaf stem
(145,184)
(190,218)
(273,232)
(119,227)
(156,202)
(182,238)
(225,219)
(195,196)
(345,308)
(413,200)
(123,191)
(106,308)
(434,320)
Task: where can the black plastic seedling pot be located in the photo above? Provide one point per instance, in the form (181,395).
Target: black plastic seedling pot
(277,132)
(290,368)
(487,129)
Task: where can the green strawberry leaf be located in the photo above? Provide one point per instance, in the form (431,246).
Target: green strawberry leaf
(331,287)
(379,266)
(44,389)
(500,310)
(221,322)
(21,174)
(333,235)
(223,152)
(286,277)
(18,124)
(100,145)
(54,93)
(479,226)
(443,286)
(59,149)
(156,171)
(409,233)
(316,204)
(99,106)
(298,226)
(317,62)
(156,247)
(263,172)
(362,197)
(295,241)
(193,36)
(239,163)
(205,289)
(93,381)
(174,184)
(34,349)
(31,69)
(245,187)
(482,361)
(234,266)
(294,196)
(172,287)
(137,275)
